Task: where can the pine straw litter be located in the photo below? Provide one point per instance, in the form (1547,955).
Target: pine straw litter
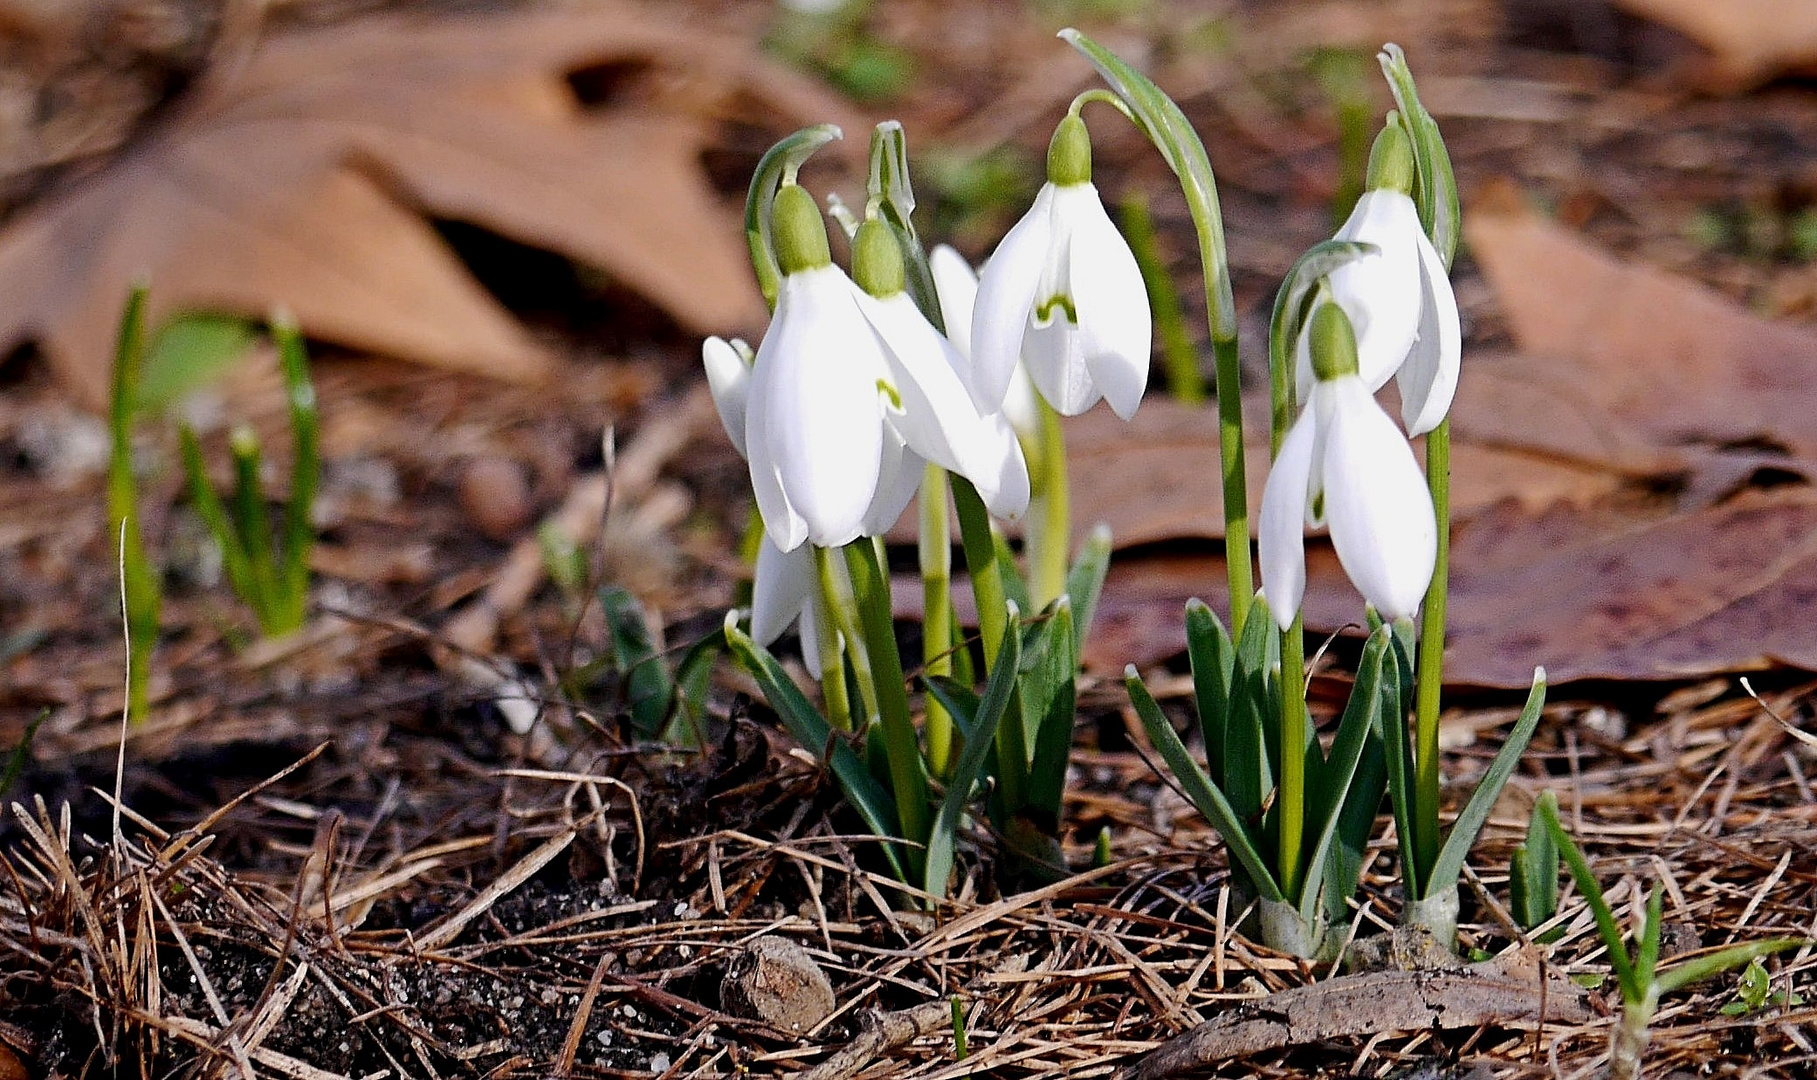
(582,936)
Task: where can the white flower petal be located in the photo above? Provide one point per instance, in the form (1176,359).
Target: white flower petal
(937,418)
(957,285)
(1428,379)
(819,406)
(1380,292)
(730,382)
(1115,328)
(1056,366)
(1006,293)
(1021,405)
(781,522)
(1280,529)
(1380,513)
(782,592)
(1007,491)
(898,479)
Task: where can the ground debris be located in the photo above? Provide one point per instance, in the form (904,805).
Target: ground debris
(1511,990)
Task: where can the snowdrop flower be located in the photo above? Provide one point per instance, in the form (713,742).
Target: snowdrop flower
(1063,293)
(1018,422)
(853,391)
(1345,465)
(1398,298)
(784,588)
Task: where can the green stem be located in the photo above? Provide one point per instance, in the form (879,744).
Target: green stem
(305,475)
(981,565)
(1236,482)
(830,625)
(1432,655)
(1050,513)
(936,551)
(1292,799)
(908,778)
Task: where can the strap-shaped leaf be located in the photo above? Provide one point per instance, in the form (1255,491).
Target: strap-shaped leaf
(1682,975)
(984,719)
(1051,680)
(1015,586)
(644,682)
(812,731)
(1251,735)
(1199,788)
(1085,583)
(1450,863)
(1438,203)
(1631,990)
(1361,716)
(305,470)
(779,162)
(1646,957)
(1533,877)
(1397,756)
(1213,658)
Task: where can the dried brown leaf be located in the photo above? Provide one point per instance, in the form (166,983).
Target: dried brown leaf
(1749,40)
(303,176)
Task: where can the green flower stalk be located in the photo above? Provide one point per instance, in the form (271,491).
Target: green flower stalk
(141,588)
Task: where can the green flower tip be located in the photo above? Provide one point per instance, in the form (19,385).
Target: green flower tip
(800,234)
(877,260)
(243,441)
(1332,342)
(1069,154)
(1391,160)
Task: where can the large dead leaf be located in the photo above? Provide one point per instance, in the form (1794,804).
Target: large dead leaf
(302,177)
(1749,40)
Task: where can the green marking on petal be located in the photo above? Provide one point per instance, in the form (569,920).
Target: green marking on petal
(889,391)
(1044,311)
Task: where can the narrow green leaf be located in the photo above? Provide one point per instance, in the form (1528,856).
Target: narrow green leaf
(1054,677)
(1249,737)
(1397,756)
(1015,586)
(305,472)
(1632,992)
(1450,863)
(207,504)
(644,683)
(1682,975)
(1213,658)
(693,680)
(777,163)
(815,735)
(1362,714)
(1647,955)
(984,720)
(1199,788)
(253,523)
(1085,583)
(142,583)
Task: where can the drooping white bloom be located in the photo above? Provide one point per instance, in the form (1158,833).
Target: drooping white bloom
(1401,303)
(784,587)
(814,422)
(853,393)
(1063,293)
(1346,466)
(1018,419)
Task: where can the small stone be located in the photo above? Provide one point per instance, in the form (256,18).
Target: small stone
(659,1063)
(495,495)
(777,982)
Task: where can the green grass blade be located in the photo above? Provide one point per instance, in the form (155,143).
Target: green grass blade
(1199,788)
(1647,955)
(1051,681)
(1085,583)
(1213,658)
(1682,975)
(1361,716)
(1397,756)
(1632,991)
(1450,862)
(985,718)
(305,472)
(206,502)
